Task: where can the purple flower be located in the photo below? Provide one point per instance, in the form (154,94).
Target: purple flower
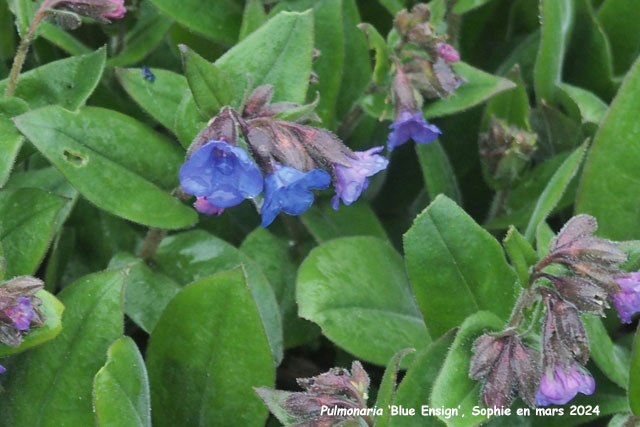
(627,301)
(448,52)
(563,386)
(2,369)
(221,172)
(411,126)
(21,314)
(289,190)
(352,181)
(202,205)
(118,10)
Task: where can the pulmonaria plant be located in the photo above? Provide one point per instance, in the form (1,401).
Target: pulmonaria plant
(328,399)
(422,61)
(286,158)
(19,310)
(593,275)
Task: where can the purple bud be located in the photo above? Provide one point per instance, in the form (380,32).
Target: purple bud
(21,314)
(289,190)
(448,52)
(526,367)
(2,369)
(119,10)
(627,301)
(202,205)
(408,126)
(561,385)
(352,181)
(498,389)
(486,350)
(222,173)
(259,98)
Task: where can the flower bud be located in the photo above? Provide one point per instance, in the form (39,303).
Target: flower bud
(486,350)
(448,52)
(584,294)
(19,309)
(221,128)
(259,98)
(526,367)
(627,301)
(101,10)
(563,321)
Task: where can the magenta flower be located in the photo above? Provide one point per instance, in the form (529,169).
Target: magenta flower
(408,126)
(202,205)
(564,385)
(21,314)
(118,11)
(448,52)
(352,181)
(627,301)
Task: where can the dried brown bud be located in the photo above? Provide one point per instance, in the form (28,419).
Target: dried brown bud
(526,367)
(486,350)
(498,389)
(221,128)
(259,98)
(563,336)
(584,294)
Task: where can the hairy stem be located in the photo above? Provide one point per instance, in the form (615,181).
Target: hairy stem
(23,47)
(151,243)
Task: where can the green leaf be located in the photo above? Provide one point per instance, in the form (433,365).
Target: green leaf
(478,87)
(393,6)
(554,190)
(192,255)
(144,37)
(437,171)
(453,388)
(612,359)
(206,352)
(67,82)
(63,39)
(52,309)
(544,235)
(387,389)
(634,376)
(275,399)
(147,293)
(356,290)
(252,18)
(121,388)
(218,20)
(521,254)
(464,6)
(511,105)
(611,167)
(619,19)
(51,385)
(557,20)
(415,388)
(27,220)
(211,87)
(324,223)
(589,61)
(378,44)
(592,108)
(10,139)
(275,257)
(188,121)
(280,53)
(447,254)
(161,99)
(113,167)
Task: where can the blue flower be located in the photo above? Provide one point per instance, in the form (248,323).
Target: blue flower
(352,181)
(21,314)
(411,126)
(289,190)
(627,301)
(221,172)
(562,385)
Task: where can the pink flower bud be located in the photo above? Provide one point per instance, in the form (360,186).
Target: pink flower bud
(448,52)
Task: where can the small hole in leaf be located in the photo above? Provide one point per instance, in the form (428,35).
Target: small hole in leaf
(76,159)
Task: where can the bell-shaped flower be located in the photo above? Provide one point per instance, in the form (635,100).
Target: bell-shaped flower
(289,190)
(352,181)
(560,385)
(408,126)
(223,173)
(627,301)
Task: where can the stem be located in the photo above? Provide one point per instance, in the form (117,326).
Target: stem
(151,243)
(497,205)
(527,297)
(23,47)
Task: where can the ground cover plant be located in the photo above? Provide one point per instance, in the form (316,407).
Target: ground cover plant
(319,213)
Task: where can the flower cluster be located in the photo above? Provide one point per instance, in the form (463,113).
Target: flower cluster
(288,161)
(67,13)
(594,275)
(343,392)
(423,70)
(19,309)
